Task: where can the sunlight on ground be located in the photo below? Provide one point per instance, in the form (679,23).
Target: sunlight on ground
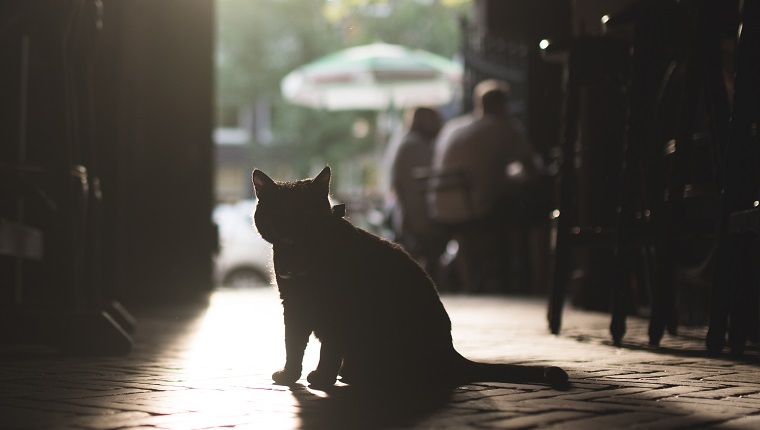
(240,328)
(236,346)
(243,329)
(229,353)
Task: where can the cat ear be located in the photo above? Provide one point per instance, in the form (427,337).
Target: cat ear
(262,183)
(322,181)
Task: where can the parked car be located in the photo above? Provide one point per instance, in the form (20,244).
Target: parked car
(244,258)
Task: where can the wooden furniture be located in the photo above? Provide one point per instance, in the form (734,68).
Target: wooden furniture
(675,129)
(594,131)
(736,286)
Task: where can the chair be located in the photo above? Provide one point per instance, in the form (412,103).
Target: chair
(449,188)
(736,286)
(670,183)
(597,82)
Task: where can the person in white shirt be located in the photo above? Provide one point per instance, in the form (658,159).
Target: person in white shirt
(489,154)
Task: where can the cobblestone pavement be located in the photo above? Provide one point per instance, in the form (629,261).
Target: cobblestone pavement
(210,367)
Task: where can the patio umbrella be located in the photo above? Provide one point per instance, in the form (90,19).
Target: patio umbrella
(378,77)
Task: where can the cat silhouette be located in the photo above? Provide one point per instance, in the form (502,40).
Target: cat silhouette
(375,311)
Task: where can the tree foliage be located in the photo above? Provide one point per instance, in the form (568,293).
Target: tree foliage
(425,24)
(260,41)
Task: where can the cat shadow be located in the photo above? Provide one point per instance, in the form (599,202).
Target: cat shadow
(347,407)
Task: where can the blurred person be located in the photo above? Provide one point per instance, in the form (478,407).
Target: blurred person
(491,155)
(411,224)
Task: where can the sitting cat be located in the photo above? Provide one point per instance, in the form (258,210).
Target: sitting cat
(376,313)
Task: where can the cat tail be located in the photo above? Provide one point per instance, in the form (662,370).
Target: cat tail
(488,372)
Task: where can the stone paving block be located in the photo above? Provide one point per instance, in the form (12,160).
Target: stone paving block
(511,385)
(60,383)
(12,417)
(53,406)
(588,385)
(748,377)
(711,406)
(157,409)
(189,420)
(643,373)
(539,420)
(162,385)
(689,421)
(13,390)
(212,406)
(643,405)
(659,393)
(691,378)
(471,395)
(725,392)
(105,422)
(676,376)
(612,421)
(746,422)
(705,385)
(601,407)
(142,386)
(746,400)
(591,395)
(521,397)
(600,373)
(459,420)
(278,421)
(54,393)
(609,384)
(188,395)
(83,394)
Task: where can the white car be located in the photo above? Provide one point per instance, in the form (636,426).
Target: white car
(244,258)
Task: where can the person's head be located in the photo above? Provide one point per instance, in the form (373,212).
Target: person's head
(491,97)
(425,121)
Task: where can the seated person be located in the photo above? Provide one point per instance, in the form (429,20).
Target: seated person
(489,154)
(412,227)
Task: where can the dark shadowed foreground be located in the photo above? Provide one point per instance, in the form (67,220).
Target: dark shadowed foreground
(198,367)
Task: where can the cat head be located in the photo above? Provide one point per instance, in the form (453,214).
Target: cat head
(288,213)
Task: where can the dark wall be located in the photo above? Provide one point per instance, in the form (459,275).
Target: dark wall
(105,150)
(156,64)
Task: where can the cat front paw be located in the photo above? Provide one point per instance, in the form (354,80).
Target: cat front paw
(321,379)
(286,376)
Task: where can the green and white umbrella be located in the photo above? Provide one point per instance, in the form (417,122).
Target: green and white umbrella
(377,77)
